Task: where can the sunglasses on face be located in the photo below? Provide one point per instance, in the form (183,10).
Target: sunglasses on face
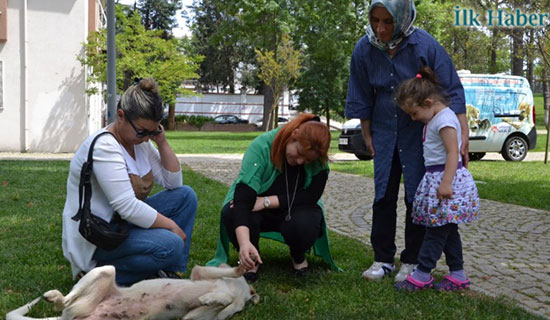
(144,133)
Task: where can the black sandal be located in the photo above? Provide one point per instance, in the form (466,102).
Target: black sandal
(301,273)
(251,277)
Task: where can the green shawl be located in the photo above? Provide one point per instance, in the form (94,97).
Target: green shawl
(259,173)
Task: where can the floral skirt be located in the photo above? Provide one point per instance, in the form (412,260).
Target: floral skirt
(463,207)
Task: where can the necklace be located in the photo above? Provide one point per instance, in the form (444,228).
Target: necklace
(289,201)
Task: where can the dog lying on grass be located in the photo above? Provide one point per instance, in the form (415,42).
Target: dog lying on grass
(211,293)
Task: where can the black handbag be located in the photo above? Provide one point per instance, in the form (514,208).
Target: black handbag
(97,231)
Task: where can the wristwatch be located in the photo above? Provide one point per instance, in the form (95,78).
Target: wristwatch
(267,203)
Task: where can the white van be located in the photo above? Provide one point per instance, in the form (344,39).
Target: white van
(500,113)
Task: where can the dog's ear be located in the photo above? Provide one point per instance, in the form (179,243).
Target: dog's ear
(224,265)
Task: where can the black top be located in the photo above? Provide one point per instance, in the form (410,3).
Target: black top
(245,197)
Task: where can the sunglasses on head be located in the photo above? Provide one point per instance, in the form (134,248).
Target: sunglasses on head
(144,133)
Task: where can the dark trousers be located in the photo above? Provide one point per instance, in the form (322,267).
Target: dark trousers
(299,233)
(437,240)
(384,218)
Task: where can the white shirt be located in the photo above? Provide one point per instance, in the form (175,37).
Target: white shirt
(434,149)
(111,191)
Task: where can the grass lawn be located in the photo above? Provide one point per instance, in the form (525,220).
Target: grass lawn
(32,194)
(539,111)
(523,183)
(221,142)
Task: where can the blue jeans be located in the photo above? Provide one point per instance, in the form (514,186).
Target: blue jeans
(146,251)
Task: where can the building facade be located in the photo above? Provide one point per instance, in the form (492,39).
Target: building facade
(43,101)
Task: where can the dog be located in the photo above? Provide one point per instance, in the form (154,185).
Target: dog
(210,293)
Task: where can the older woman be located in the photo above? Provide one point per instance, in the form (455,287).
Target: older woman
(283,175)
(392,51)
(125,165)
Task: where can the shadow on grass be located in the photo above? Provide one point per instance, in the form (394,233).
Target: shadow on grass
(32,261)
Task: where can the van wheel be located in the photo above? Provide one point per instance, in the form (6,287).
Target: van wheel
(475,156)
(363,156)
(515,149)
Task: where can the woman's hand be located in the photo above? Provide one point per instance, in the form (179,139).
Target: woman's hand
(249,256)
(445,191)
(259,204)
(163,222)
(177,230)
(161,137)
(367,136)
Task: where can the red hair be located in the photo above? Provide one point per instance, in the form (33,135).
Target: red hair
(313,135)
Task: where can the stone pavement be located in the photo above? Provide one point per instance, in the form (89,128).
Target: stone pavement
(506,251)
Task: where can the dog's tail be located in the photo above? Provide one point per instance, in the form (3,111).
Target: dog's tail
(19,313)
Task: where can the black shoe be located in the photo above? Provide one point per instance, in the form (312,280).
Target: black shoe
(165,274)
(301,273)
(251,277)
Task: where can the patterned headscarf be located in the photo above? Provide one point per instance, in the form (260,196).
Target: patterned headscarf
(403,13)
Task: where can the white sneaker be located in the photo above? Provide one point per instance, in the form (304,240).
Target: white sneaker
(404,271)
(378,270)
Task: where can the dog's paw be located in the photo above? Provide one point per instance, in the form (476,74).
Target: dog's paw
(55,297)
(213,298)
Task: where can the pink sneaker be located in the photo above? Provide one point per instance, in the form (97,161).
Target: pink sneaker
(411,285)
(452,284)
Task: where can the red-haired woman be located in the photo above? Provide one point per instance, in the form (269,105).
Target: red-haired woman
(279,187)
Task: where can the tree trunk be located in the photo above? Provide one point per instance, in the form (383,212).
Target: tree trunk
(172,116)
(546,99)
(327,115)
(268,103)
(530,59)
(517,52)
(493,52)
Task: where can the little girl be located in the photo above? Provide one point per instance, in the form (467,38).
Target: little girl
(447,195)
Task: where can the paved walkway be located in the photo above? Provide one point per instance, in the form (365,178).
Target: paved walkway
(506,251)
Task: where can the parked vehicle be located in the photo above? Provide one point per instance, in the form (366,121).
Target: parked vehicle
(500,114)
(229,119)
(280,121)
(351,140)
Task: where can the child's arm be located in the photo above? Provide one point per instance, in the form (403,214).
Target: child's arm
(448,135)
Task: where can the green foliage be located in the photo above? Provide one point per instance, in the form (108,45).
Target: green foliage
(197,121)
(329,31)
(277,69)
(141,53)
(221,55)
(159,14)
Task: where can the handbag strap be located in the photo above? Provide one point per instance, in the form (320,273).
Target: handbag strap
(85,186)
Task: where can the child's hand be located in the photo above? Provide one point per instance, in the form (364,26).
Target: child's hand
(445,191)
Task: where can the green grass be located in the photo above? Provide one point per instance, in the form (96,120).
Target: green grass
(539,110)
(221,142)
(521,183)
(32,194)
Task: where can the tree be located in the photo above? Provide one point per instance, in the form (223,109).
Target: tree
(328,32)
(277,69)
(258,24)
(221,59)
(159,15)
(141,53)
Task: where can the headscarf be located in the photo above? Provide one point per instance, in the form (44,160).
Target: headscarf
(403,13)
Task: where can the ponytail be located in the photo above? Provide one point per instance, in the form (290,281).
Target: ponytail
(416,90)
